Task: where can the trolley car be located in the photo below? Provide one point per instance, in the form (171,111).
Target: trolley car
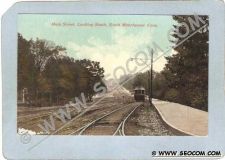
(139,94)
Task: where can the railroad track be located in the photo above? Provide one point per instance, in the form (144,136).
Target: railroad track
(64,129)
(85,113)
(28,121)
(120,128)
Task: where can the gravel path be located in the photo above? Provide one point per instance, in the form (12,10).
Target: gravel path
(146,122)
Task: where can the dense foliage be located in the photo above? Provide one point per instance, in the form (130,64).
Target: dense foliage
(184,79)
(46,76)
(187,72)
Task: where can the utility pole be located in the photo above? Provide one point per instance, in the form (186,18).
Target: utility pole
(151,94)
(150,76)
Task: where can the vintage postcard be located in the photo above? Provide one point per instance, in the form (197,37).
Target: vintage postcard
(113,74)
(134,78)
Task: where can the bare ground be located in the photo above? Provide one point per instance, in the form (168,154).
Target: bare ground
(146,122)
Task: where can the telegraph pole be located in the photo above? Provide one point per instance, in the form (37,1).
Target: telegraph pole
(150,76)
(151,94)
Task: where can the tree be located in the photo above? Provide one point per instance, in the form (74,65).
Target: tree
(159,86)
(187,71)
(94,74)
(26,68)
(51,77)
(43,50)
(139,81)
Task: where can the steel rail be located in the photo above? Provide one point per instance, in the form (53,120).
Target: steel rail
(98,119)
(121,126)
(83,128)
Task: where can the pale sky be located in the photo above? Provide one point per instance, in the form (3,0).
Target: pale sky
(111,46)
